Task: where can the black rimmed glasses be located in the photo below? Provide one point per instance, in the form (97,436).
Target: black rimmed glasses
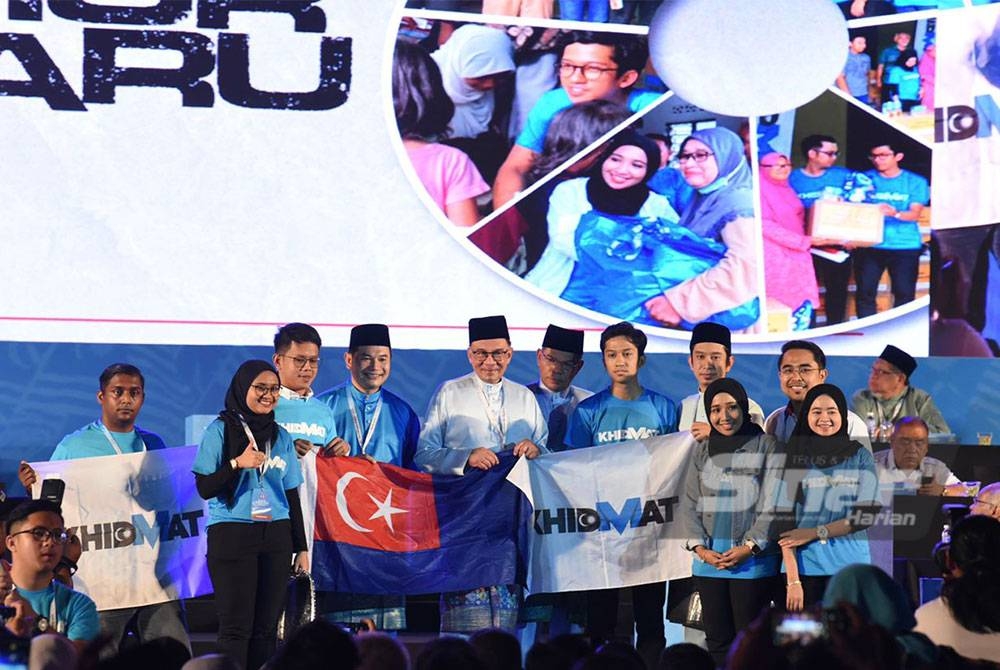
(696,156)
(264,389)
(499,355)
(590,71)
(42,534)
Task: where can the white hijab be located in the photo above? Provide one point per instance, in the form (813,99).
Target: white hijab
(472,51)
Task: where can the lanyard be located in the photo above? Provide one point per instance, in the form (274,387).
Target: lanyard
(882,419)
(363,443)
(113,442)
(267,450)
(497,421)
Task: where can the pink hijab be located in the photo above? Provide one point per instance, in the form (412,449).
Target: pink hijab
(779,203)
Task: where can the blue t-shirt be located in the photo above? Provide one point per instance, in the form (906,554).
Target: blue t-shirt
(397,430)
(604,419)
(810,189)
(75,612)
(827,495)
(887,59)
(91,441)
(669,182)
(552,102)
(278,477)
(305,419)
(909,84)
(900,192)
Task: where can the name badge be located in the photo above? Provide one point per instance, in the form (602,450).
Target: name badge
(260,508)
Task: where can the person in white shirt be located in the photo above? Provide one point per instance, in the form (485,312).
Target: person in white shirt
(711,358)
(905,467)
(801,366)
(469,421)
(559,360)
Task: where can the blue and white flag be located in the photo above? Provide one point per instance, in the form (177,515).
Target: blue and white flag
(141,523)
(607,516)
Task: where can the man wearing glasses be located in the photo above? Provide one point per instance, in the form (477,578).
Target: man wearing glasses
(889,396)
(901,195)
(469,420)
(121,396)
(592,66)
(307,420)
(802,365)
(820,178)
(987,502)
(35,538)
(559,360)
(906,468)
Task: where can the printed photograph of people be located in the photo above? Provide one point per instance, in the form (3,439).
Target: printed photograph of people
(891,68)
(473,102)
(845,207)
(655,225)
(635,12)
(859,9)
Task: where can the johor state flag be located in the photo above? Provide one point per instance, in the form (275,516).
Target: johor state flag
(381,529)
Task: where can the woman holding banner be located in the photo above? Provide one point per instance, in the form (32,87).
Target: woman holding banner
(247,470)
(736,568)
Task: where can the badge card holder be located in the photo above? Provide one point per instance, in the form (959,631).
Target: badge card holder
(260,506)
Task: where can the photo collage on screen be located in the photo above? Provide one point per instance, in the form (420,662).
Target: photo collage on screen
(588,183)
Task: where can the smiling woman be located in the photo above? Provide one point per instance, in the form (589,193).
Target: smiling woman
(247,470)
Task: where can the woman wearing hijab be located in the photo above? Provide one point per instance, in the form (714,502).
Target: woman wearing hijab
(736,567)
(789,277)
(880,600)
(616,187)
(713,164)
(831,485)
(471,61)
(247,470)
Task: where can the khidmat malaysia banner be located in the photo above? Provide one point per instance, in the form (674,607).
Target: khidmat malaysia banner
(608,516)
(166,160)
(141,523)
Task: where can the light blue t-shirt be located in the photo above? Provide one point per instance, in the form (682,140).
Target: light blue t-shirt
(305,418)
(604,419)
(552,102)
(827,495)
(397,430)
(91,441)
(900,192)
(909,84)
(810,189)
(75,612)
(279,476)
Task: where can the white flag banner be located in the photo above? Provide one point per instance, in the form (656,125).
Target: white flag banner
(607,516)
(141,523)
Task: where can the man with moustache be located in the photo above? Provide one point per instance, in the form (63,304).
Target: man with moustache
(559,360)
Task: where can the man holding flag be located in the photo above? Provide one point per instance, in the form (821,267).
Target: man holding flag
(470,420)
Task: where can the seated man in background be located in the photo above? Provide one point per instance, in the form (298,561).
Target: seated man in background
(35,537)
(121,395)
(889,396)
(987,502)
(905,467)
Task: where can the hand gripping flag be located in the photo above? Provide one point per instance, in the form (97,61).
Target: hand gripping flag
(381,529)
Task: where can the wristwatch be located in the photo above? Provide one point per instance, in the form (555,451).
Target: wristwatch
(754,549)
(822,534)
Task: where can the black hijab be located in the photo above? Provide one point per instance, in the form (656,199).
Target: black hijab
(727,444)
(806,448)
(626,201)
(262,426)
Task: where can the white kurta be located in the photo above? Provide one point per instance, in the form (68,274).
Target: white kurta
(458,422)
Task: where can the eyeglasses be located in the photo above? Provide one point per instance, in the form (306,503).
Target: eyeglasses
(590,71)
(881,372)
(500,355)
(977,501)
(801,370)
(776,165)
(872,157)
(57,535)
(831,154)
(696,156)
(302,361)
(562,365)
(262,389)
